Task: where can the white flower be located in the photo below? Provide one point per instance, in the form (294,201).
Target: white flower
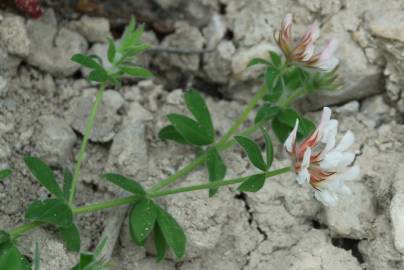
(322,163)
(303,52)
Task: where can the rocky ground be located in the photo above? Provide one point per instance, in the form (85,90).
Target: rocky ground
(44,101)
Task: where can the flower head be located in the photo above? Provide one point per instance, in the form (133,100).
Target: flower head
(321,162)
(303,52)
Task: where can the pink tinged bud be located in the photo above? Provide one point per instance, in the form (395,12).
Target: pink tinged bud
(327,60)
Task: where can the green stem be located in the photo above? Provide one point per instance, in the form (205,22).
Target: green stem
(133,198)
(105,205)
(244,115)
(222,144)
(214,184)
(87,133)
(23,229)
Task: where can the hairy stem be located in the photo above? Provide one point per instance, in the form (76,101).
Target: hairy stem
(87,133)
(222,144)
(133,198)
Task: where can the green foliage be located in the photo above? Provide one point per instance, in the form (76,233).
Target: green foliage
(172,232)
(44,175)
(186,130)
(11,258)
(5,173)
(253,184)
(67,184)
(253,152)
(71,237)
(125,183)
(268,148)
(266,113)
(121,58)
(145,217)
(197,106)
(285,121)
(170,133)
(51,211)
(93,261)
(192,131)
(159,243)
(216,168)
(142,219)
(276,59)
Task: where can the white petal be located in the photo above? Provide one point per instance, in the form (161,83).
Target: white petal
(335,159)
(346,159)
(331,160)
(345,190)
(303,177)
(346,141)
(351,174)
(291,140)
(330,130)
(306,158)
(287,20)
(326,197)
(308,53)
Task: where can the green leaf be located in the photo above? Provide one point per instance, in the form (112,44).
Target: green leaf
(4,237)
(216,168)
(138,72)
(142,219)
(281,130)
(170,133)
(85,260)
(11,258)
(125,183)
(306,127)
(268,148)
(52,211)
(37,257)
(159,243)
(265,113)
(275,92)
(86,61)
(133,51)
(67,183)
(253,183)
(172,232)
(293,79)
(191,130)
(253,152)
(258,61)
(271,76)
(5,173)
(44,175)
(111,50)
(288,117)
(276,59)
(98,75)
(71,237)
(197,106)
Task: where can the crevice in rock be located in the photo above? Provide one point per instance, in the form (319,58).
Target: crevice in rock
(349,245)
(317,224)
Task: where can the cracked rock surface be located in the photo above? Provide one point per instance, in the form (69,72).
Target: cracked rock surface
(44,103)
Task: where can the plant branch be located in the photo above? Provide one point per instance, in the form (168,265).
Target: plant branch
(133,198)
(87,134)
(221,145)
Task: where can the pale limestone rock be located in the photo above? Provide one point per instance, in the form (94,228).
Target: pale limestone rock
(54,140)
